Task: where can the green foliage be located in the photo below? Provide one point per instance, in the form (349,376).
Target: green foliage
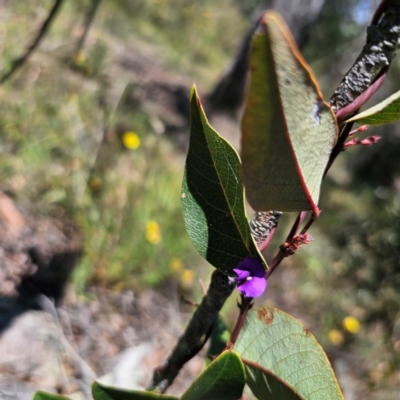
(101,392)
(213,196)
(223,379)
(278,343)
(51,126)
(218,339)
(267,386)
(385,112)
(53,119)
(287,131)
(183,27)
(40,395)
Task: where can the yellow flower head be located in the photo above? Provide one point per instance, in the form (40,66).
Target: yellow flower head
(153,233)
(186,278)
(175,265)
(80,58)
(95,183)
(351,324)
(131,140)
(335,337)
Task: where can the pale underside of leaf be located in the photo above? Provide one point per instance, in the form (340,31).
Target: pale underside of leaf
(280,344)
(213,196)
(288,132)
(267,386)
(385,112)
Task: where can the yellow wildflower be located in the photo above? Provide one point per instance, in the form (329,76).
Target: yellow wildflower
(335,337)
(95,183)
(131,140)
(351,324)
(186,278)
(153,233)
(175,265)
(80,58)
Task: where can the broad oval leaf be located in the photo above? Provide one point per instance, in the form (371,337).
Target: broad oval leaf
(40,395)
(274,341)
(384,112)
(213,196)
(223,379)
(267,386)
(288,131)
(102,392)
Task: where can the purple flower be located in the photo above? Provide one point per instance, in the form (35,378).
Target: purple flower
(250,277)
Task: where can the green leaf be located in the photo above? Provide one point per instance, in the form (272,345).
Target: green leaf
(383,113)
(288,131)
(218,339)
(223,379)
(48,396)
(213,197)
(101,392)
(274,344)
(267,386)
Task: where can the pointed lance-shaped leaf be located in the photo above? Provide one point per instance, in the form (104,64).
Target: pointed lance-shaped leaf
(223,379)
(384,112)
(213,196)
(103,392)
(40,395)
(288,131)
(283,359)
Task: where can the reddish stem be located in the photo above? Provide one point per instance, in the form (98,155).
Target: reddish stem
(296,226)
(246,304)
(275,262)
(362,98)
(379,11)
(309,223)
(267,241)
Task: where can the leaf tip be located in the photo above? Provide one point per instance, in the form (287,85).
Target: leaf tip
(193,91)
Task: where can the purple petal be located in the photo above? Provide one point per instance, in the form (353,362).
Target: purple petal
(241,274)
(254,287)
(253,265)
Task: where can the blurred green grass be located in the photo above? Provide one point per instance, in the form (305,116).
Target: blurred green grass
(61,154)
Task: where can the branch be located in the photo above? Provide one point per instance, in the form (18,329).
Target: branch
(18,62)
(263,226)
(196,333)
(88,22)
(369,70)
(383,40)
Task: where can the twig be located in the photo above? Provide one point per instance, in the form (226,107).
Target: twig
(263,226)
(20,61)
(245,306)
(88,22)
(383,40)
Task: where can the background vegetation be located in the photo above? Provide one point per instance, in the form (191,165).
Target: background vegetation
(99,136)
